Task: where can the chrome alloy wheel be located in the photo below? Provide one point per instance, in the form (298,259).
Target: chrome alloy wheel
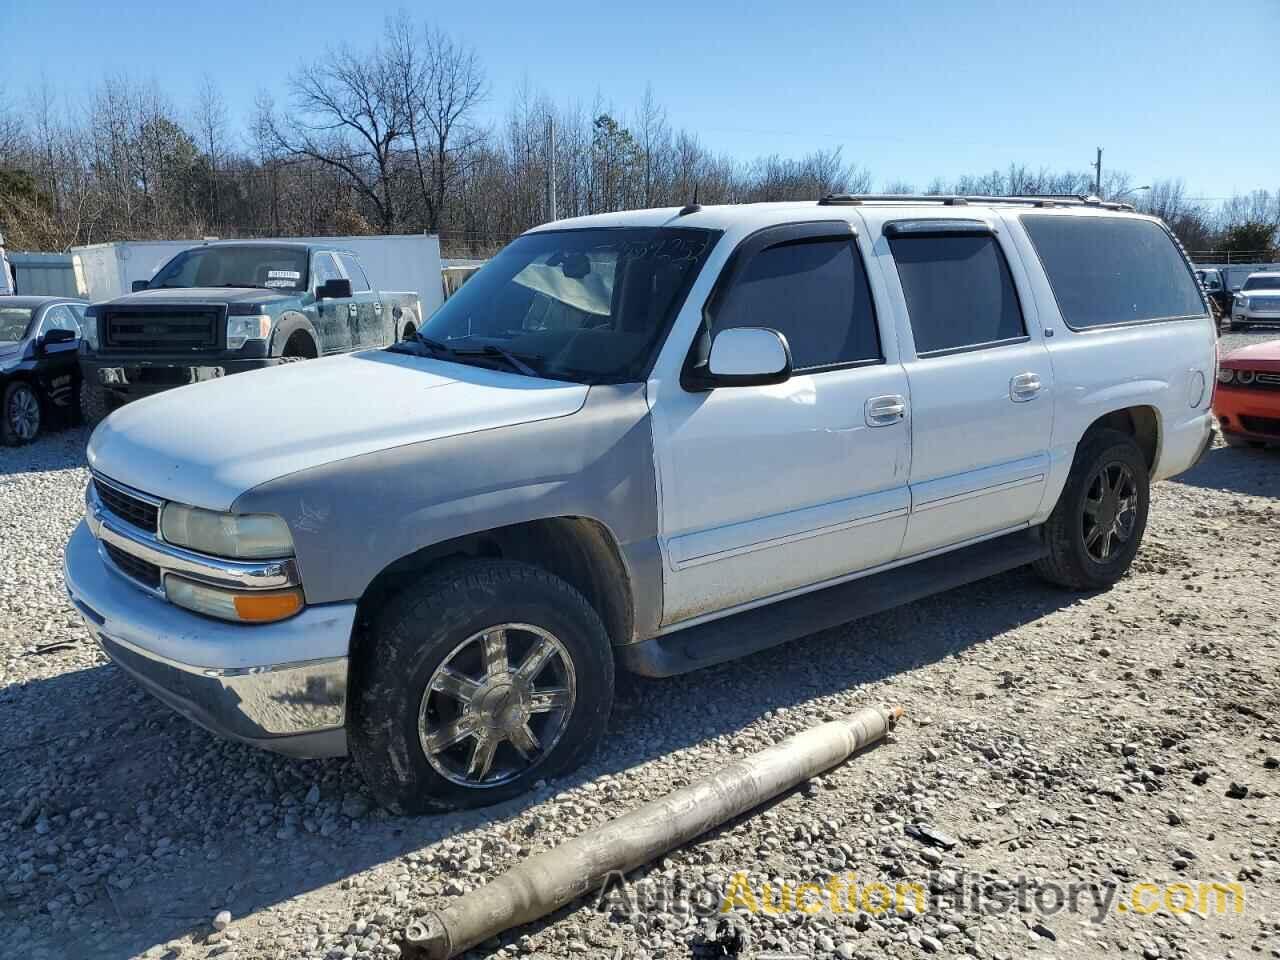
(1110,511)
(484,721)
(24,413)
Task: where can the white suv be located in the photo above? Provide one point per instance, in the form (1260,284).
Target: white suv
(658,439)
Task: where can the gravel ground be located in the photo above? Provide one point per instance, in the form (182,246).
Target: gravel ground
(1051,738)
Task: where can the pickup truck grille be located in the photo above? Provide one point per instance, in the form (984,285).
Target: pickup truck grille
(1267,304)
(147,574)
(129,508)
(164,331)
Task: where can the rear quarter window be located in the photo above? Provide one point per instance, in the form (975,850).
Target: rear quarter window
(1112,270)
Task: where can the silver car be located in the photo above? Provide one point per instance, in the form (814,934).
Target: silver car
(1258,301)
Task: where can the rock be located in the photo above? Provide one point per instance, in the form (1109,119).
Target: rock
(1237,791)
(355,806)
(221,919)
(1040,930)
(845,951)
(1200,778)
(930,944)
(313,795)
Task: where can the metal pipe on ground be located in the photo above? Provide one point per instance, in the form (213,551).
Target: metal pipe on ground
(549,880)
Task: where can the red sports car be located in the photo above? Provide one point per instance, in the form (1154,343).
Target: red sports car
(1247,403)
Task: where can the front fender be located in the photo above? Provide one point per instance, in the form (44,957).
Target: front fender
(290,322)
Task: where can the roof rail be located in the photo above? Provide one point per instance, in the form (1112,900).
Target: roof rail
(955,200)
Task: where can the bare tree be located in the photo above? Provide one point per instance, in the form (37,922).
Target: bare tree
(439,83)
(349,114)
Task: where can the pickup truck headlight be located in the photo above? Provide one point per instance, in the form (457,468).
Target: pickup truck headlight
(246,606)
(1226,376)
(240,330)
(247,536)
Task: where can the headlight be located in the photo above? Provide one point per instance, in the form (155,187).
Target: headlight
(89,329)
(1242,302)
(1245,377)
(1225,375)
(248,606)
(242,329)
(248,536)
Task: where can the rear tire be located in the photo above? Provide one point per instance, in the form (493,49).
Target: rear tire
(1097,525)
(21,414)
(426,675)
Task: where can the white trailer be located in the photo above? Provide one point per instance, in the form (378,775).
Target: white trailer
(407,262)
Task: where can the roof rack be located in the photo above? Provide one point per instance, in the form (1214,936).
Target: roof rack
(955,200)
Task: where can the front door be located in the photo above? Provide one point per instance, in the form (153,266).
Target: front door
(981,382)
(770,489)
(369,319)
(57,367)
(336,319)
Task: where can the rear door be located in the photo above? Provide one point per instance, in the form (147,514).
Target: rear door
(980,380)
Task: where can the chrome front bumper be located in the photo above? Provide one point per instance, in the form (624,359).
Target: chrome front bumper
(282,686)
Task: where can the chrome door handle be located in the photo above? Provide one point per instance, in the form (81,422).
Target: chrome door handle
(1024,387)
(351,310)
(377,306)
(885,411)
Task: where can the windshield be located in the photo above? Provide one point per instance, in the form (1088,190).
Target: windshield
(276,268)
(13,323)
(589,305)
(1263,283)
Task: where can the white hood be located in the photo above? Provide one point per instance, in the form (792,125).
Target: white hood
(207,443)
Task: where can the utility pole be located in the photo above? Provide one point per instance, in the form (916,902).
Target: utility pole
(551,168)
(1097,175)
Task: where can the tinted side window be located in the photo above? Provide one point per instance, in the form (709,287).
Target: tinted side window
(958,290)
(815,293)
(325,269)
(359,282)
(59,318)
(1107,270)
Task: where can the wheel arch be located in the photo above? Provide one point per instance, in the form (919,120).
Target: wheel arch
(1140,421)
(289,325)
(579,550)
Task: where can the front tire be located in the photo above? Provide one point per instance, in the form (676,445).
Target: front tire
(1097,525)
(21,415)
(96,402)
(476,682)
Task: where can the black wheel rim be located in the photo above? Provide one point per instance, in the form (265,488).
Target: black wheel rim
(24,413)
(497,705)
(1110,513)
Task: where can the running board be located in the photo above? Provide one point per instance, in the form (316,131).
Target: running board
(762,627)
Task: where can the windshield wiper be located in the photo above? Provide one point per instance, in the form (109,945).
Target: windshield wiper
(417,338)
(493,350)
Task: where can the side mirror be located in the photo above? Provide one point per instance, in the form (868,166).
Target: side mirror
(745,357)
(139,285)
(56,336)
(336,289)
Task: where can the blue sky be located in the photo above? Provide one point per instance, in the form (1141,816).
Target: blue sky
(909,90)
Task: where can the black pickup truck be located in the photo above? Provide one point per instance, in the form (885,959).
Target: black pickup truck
(231,306)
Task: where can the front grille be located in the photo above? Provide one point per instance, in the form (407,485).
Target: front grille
(168,331)
(1268,425)
(1266,304)
(129,508)
(148,574)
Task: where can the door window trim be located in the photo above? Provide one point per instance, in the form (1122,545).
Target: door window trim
(337,268)
(969,228)
(758,241)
